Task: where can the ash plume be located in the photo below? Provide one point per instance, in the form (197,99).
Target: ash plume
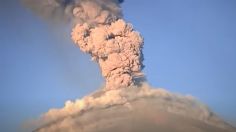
(116,48)
(100,31)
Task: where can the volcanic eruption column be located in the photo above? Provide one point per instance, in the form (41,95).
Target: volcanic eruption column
(110,41)
(100,31)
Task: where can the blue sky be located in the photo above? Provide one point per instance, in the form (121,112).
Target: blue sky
(190,48)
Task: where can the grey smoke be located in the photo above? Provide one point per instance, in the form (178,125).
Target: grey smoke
(65,10)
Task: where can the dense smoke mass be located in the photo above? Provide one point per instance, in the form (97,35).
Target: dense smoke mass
(100,31)
(137,109)
(117,49)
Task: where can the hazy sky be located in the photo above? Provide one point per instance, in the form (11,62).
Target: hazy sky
(190,48)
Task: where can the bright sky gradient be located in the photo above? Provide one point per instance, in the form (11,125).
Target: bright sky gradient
(190,48)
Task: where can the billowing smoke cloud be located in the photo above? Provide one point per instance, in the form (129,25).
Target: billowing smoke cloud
(101,32)
(131,110)
(117,49)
